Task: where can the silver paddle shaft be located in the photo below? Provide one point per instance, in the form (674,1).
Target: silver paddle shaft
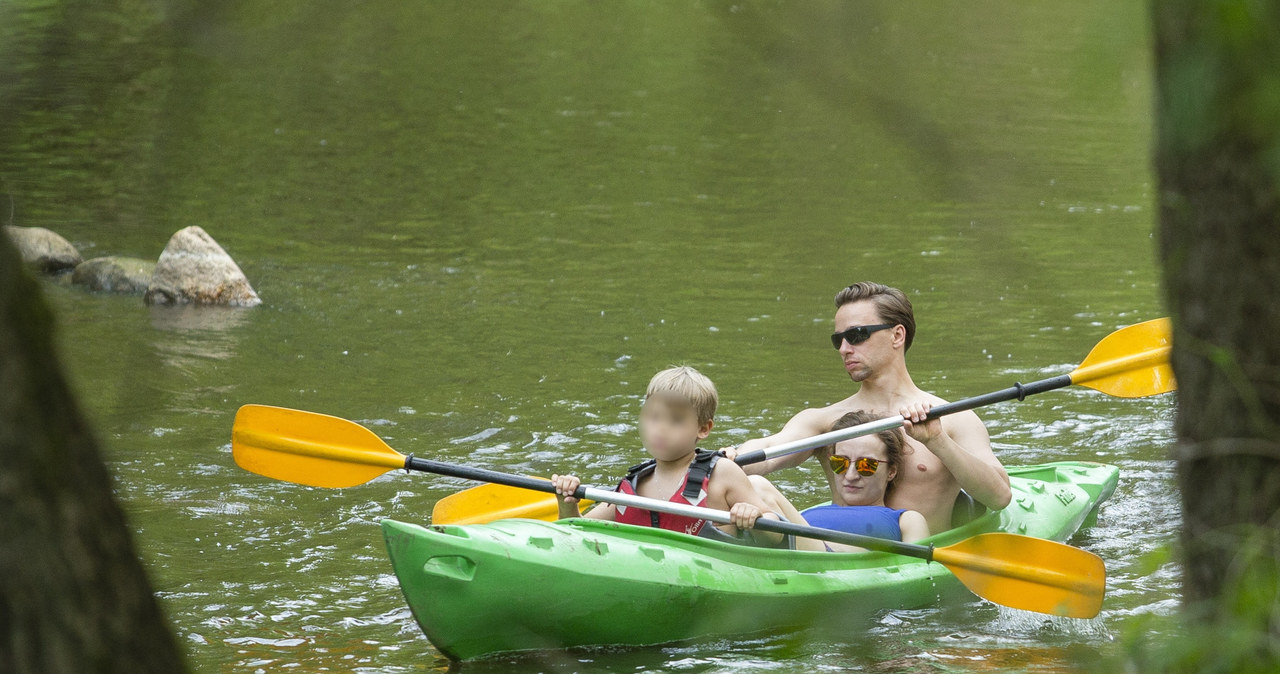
(816,441)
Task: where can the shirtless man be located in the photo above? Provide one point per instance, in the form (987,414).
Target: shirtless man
(874,328)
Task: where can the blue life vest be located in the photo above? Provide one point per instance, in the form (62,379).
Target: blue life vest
(878,521)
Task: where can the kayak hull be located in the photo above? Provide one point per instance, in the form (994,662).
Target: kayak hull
(516,585)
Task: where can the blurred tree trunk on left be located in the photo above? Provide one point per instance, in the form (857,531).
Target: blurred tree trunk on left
(74,596)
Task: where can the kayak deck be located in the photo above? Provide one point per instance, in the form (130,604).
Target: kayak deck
(518,584)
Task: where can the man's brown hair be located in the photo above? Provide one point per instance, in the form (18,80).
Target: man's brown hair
(892,305)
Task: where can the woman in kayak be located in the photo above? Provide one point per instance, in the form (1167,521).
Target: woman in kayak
(677,412)
(860,472)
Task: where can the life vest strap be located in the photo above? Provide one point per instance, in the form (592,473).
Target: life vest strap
(704,461)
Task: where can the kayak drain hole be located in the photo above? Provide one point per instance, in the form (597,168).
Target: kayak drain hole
(656,554)
(456,567)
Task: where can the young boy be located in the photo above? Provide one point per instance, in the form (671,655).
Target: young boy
(677,412)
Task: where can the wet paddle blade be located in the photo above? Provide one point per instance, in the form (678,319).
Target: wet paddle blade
(1028,573)
(490,502)
(308,448)
(1131,362)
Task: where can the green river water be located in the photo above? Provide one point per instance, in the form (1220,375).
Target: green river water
(479,228)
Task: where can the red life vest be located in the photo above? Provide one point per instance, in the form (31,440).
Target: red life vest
(694,492)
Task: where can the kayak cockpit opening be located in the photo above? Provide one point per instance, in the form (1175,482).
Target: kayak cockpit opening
(965,510)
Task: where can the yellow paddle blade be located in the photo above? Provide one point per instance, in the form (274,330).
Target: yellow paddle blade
(489,502)
(1028,573)
(1131,362)
(308,448)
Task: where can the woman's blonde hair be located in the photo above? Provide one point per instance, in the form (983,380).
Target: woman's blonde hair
(689,385)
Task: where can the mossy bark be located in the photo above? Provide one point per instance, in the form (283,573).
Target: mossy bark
(1218,164)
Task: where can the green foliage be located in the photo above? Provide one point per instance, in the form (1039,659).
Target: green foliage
(1220,76)
(1152,560)
(1234,633)
(1152,643)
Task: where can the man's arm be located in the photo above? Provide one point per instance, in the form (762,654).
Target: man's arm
(963,445)
(806,424)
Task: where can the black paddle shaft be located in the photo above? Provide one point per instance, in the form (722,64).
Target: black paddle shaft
(1016,392)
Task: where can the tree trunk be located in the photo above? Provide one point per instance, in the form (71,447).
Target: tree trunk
(73,594)
(1218,166)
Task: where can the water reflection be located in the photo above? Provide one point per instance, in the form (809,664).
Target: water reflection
(187,337)
(197,318)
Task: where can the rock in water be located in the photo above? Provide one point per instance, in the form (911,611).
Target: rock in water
(194,269)
(43,249)
(124,275)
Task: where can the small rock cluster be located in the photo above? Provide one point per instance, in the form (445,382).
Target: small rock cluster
(193,269)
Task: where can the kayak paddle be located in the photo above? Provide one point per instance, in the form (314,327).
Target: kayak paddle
(324,451)
(1131,362)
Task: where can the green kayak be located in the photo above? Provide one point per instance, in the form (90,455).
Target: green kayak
(515,585)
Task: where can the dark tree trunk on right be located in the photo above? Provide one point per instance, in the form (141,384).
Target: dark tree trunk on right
(1218,165)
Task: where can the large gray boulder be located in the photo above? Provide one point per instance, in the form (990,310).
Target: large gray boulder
(44,250)
(123,275)
(194,269)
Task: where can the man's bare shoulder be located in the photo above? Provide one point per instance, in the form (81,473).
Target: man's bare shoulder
(934,399)
(819,419)
(853,403)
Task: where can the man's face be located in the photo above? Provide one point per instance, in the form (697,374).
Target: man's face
(860,360)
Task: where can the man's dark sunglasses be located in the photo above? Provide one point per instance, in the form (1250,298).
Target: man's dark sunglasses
(858,334)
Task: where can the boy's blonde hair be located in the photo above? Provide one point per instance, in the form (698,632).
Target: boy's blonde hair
(689,385)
